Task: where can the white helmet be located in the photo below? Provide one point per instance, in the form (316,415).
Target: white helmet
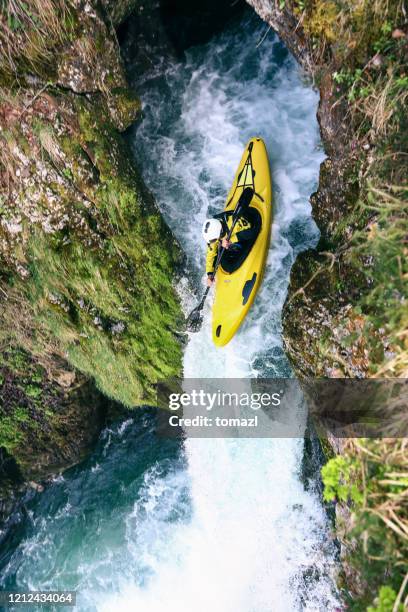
(212,229)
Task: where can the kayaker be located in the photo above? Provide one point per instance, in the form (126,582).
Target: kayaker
(216,230)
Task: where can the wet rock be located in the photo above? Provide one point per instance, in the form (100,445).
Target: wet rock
(287,26)
(36,486)
(118,11)
(48,422)
(66,379)
(124,108)
(91,62)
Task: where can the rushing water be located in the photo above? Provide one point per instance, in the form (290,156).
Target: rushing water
(220,525)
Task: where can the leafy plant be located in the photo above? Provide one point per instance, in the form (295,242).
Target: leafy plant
(338,475)
(33,391)
(385,602)
(371,476)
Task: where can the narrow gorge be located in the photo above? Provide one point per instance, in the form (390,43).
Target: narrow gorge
(121,126)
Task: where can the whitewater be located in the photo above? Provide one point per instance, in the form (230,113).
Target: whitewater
(257,540)
(220,525)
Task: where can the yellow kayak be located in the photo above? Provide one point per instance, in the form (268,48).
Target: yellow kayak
(235,291)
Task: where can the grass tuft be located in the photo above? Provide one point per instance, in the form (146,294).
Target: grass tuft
(30,33)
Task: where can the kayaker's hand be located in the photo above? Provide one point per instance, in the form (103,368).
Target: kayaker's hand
(225,243)
(210,280)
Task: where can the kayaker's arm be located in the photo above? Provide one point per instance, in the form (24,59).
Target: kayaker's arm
(242,232)
(212,252)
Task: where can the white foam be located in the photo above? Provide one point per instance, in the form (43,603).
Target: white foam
(254,529)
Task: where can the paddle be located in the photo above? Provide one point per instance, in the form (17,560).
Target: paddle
(195,318)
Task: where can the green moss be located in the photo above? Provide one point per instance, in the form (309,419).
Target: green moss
(101,287)
(322,19)
(124,106)
(11,433)
(95,295)
(33,391)
(111,303)
(16,360)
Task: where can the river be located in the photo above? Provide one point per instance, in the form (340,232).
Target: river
(225,525)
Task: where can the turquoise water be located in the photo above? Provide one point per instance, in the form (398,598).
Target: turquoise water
(77,532)
(221,525)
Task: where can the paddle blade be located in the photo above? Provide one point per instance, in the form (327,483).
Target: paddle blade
(195,319)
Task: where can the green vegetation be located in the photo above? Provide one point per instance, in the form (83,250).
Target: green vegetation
(372,478)
(385,602)
(99,290)
(30,33)
(87,261)
(365,45)
(10,433)
(358,281)
(111,323)
(20,392)
(108,300)
(338,475)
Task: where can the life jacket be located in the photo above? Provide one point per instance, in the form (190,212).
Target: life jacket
(242,232)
